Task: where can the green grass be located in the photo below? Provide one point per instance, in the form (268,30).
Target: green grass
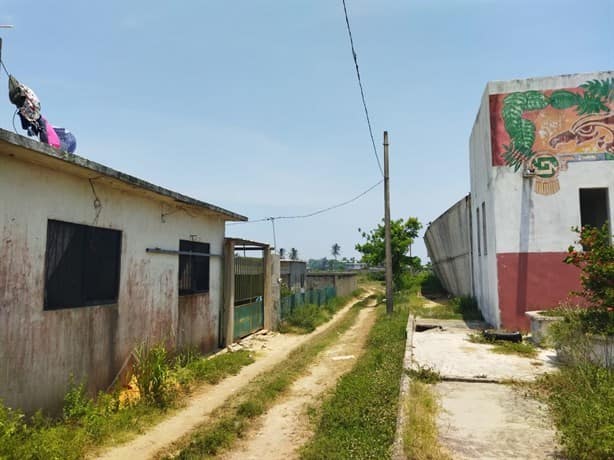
(87,423)
(235,416)
(461,308)
(359,420)
(581,401)
(307,318)
(420,435)
(506,347)
(424,374)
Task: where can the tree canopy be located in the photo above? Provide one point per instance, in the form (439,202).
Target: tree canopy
(403,233)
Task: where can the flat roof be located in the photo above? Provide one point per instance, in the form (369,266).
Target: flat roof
(29,150)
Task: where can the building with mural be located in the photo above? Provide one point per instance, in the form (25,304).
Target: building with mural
(541,154)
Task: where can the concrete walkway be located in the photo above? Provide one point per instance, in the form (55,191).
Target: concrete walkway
(479,420)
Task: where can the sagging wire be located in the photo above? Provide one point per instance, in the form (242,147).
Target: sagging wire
(97,202)
(311,214)
(362,91)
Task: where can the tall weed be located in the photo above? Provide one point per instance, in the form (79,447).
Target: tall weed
(151,370)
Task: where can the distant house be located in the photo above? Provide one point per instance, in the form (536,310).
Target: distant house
(541,162)
(94,261)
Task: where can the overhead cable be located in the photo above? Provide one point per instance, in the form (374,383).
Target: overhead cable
(362,91)
(311,214)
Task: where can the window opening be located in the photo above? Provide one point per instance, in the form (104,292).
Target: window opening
(594,207)
(193,268)
(484,228)
(479,238)
(82,265)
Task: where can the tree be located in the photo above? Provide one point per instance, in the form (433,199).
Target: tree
(293,254)
(335,250)
(403,234)
(282,253)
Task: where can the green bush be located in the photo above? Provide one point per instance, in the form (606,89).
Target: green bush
(151,370)
(580,399)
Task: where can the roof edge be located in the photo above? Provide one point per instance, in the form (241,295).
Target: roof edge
(40,148)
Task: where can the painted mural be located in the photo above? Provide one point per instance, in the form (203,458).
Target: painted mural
(542,131)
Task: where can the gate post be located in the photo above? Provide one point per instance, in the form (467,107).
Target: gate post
(269,321)
(229,293)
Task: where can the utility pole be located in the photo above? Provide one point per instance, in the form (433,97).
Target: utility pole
(389,307)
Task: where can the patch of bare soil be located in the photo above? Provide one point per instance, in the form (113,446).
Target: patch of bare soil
(286,427)
(271,348)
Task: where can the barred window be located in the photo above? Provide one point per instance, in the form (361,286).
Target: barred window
(193,268)
(81,265)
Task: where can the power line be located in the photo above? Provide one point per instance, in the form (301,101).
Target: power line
(362,91)
(311,214)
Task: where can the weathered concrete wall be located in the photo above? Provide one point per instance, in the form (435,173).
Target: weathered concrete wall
(293,274)
(529,218)
(344,283)
(448,242)
(39,350)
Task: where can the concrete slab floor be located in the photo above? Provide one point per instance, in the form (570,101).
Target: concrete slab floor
(449,352)
(493,421)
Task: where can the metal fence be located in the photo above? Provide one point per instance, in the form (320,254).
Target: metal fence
(249,279)
(313,297)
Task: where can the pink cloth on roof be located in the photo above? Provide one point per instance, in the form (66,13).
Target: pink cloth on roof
(52,137)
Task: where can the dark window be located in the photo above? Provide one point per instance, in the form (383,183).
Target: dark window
(479,238)
(594,206)
(193,269)
(81,265)
(484,228)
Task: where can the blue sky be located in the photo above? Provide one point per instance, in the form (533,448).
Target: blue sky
(253,105)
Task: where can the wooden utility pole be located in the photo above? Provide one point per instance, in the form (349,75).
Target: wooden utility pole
(389,307)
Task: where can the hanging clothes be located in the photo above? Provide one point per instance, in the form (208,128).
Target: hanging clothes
(29,110)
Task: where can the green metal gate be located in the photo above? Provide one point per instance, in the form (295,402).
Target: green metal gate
(249,292)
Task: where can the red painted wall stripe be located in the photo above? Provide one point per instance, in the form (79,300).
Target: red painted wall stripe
(532,281)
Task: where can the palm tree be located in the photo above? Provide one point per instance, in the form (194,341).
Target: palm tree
(293,254)
(335,250)
(282,253)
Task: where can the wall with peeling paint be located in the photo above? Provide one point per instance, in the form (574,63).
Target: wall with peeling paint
(39,350)
(518,251)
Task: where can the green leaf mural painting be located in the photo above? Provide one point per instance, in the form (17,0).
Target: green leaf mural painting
(543,131)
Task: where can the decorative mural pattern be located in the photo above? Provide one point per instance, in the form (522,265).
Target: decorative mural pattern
(543,131)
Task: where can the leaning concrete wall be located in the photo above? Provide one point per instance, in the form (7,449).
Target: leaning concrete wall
(448,242)
(40,349)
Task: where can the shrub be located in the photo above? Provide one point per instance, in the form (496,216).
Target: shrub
(580,398)
(151,370)
(76,403)
(596,262)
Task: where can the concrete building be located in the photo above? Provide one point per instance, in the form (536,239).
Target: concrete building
(343,282)
(293,274)
(541,154)
(93,262)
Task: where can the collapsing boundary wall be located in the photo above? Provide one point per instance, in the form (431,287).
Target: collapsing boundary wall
(448,243)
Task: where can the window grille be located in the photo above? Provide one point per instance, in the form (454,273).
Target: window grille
(193,269)
(82,265)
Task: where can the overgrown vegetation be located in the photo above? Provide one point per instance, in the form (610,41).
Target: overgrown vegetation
(505,347)
(232,419)
(580,399)
(306,318)
(358,421)
(580,396)
(424,374)
(86,422)
(420,435)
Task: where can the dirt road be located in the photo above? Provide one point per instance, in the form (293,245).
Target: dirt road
(271,349)
(285,428)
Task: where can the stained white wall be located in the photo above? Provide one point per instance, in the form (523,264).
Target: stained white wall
(39,350)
